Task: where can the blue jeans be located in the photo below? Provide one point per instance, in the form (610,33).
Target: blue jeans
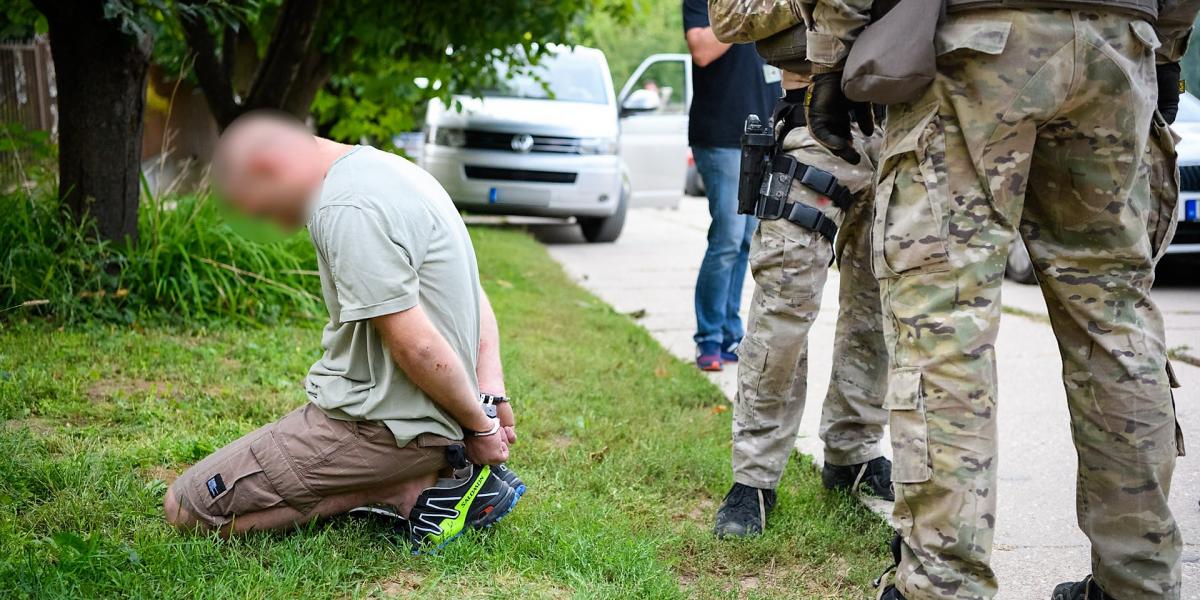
(719,286)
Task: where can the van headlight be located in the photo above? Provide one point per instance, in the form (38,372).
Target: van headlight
(447,136)
(598,145)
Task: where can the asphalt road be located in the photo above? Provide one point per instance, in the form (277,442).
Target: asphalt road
(652,268)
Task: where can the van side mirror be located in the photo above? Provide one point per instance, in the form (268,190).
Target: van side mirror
(640,101)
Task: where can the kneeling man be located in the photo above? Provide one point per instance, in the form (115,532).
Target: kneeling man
(394,401)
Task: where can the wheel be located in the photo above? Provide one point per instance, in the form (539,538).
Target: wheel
(1020,267)
(600,230)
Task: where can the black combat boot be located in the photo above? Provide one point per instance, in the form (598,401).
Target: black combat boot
(1080,590)
(872,478)
(744,511)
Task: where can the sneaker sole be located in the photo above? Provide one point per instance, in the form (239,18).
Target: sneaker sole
(485,523)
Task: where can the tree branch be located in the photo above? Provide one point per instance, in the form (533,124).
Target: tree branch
(314,74)
(214,79)
(291,40)
(229,52)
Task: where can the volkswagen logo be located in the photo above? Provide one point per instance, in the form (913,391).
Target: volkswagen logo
(522,142)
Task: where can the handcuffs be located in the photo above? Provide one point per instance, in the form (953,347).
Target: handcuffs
(489,402)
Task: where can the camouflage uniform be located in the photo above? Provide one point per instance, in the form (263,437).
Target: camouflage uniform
(1037,118)
(789,264)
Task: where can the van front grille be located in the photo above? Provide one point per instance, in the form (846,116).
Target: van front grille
(495,140)
(476,172)
(1189,178)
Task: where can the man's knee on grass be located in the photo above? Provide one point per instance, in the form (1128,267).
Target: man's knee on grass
(176,514)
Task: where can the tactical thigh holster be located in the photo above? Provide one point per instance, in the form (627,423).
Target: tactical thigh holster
(767,173)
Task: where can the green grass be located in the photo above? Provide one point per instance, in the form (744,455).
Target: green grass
(625,448)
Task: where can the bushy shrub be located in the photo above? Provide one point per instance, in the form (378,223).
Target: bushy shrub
(192,264)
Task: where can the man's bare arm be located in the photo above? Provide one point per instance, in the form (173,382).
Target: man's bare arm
(704,45)
(428,360)
(490,371)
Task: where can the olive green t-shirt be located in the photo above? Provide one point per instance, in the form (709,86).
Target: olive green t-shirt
(388,238)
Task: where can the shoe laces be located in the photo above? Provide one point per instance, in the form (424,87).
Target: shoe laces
(744,500)
(876,473)
(879,581)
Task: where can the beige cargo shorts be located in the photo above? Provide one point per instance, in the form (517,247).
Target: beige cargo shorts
(299,460)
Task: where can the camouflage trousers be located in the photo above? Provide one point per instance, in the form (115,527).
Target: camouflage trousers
(1036,125)
(789,264)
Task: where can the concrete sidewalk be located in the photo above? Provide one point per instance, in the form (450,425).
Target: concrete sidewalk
(652,268)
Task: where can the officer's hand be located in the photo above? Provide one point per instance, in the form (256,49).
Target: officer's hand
(1168,90)
(829,114)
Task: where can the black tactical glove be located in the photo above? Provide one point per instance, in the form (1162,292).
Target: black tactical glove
(829,114)
(1169,87)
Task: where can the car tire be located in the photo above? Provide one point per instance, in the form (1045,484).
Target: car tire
(1020,266)
(602,230)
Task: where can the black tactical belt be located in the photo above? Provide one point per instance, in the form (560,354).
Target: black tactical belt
(798,213)
(820,181)
(777,185)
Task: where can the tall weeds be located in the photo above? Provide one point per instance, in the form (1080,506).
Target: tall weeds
(190,265)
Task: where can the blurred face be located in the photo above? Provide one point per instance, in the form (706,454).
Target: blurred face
(269,170)
(276,187)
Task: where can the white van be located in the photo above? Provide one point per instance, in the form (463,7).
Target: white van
(556,144)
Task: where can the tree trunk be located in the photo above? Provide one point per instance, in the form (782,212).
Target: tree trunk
(316,72)
(287,79)
(101,79)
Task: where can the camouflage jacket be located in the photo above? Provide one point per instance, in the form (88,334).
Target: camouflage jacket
(836,23)
(743,21)
(775,27)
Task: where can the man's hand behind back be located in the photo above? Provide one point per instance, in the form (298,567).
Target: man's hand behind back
(508,423)
(487,449)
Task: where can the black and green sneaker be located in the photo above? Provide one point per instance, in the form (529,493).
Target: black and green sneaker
(384,516)
(445,510)
(510,477)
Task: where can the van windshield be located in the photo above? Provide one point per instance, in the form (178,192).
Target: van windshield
(564,76)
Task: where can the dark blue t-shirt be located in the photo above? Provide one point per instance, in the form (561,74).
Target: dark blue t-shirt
(727,90)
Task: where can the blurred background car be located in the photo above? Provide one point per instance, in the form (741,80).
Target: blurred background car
(554,141)
(1187,237)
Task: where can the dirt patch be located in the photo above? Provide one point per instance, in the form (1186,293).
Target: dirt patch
(561,442)
(163,474)
(403,585)
(702,512)
(35,425)
(774,580)
(408,585)
(104,389)
(686,581)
